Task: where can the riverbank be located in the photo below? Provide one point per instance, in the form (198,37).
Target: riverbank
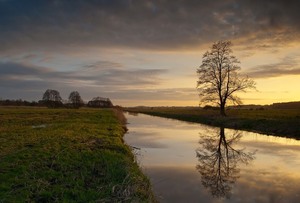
(67,155)
(279,122)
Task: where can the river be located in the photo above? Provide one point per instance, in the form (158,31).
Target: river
(189,162)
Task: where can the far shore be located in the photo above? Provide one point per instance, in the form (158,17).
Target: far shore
(277,122)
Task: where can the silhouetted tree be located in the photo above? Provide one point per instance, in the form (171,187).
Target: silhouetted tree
(218,76)
(75,99)
(218,162)
(100,102)
(52,98)
(18,102)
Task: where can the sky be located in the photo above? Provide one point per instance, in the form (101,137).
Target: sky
(145,52)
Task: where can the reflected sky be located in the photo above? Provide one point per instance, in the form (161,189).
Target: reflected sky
(168,156)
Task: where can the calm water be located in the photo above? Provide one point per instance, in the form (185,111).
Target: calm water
(189,162)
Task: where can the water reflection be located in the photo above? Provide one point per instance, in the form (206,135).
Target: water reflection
(167,157)
(132,113)
(218,161)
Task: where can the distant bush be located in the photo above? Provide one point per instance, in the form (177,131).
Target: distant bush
(51,104)
(100,102)
(286,105)
(208,107)
(18,102)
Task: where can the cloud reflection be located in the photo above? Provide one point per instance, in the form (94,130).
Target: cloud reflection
(144,140)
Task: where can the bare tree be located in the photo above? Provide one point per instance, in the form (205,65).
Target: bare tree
(75,99)
(52,98)
(218,76)
(52,95)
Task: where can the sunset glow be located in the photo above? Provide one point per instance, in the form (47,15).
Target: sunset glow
(145,52)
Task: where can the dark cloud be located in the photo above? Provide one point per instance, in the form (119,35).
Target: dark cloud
(36,35)
(103,75)
(104,78)
(157,24)
(10,69)
(287,66)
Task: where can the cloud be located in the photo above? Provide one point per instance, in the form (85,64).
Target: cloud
(56,44)
(111,73)
(102,78)
(22,76)
(179,94)
(287,66)
(145,140)
(58,25)
(7,69)
(104,75)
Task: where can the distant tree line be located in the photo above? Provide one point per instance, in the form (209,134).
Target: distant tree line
(283,105)
(286,105)
(52,99)
(18,102)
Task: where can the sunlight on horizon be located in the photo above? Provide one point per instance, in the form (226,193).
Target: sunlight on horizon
(144,52)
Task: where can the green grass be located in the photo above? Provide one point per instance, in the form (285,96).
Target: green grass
(67,155)
(280,122)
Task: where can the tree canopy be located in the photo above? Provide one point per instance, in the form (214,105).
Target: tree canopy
(75,99)
(218,77)
(52,95)
(52,98)
(100,102)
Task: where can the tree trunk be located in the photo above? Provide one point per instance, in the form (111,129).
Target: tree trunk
(222,109)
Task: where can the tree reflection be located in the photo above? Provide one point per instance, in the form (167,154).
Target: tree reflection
(218,162)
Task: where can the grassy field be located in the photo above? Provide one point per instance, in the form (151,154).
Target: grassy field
(281,122)
(67,155)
